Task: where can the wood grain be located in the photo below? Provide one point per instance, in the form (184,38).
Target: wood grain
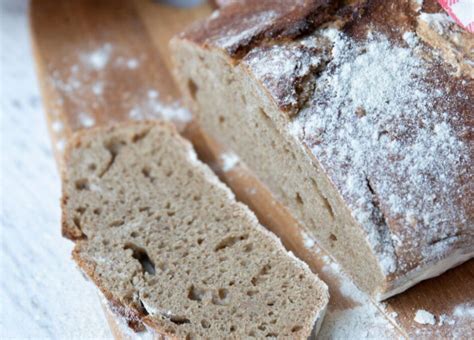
(65,32)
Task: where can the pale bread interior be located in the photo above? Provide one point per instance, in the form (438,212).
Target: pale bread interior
(233,108)
(168,245)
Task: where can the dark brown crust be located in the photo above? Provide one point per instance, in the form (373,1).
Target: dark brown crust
(287,20)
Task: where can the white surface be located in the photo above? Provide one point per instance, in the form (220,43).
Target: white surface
(42,294)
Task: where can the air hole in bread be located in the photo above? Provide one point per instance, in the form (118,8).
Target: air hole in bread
(139,136)
(263,113)
(232,329)
(77,222)
(133,234)
(146,171)
(117,223)
(141,256)
(299,200)
(200,241)
(332,237)
(179,320)
(328,207)
(324,200)
(97,211)
(248,247)
(221,119)
(193,88)
(221,297)
(92,167)
(143,309)
(113,147)
(196,293)
(296,329)
(205,324)
(271,335)
(82,184)
(260,277)
(252,292)
(229,242)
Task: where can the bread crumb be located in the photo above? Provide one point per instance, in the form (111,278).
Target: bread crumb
(424,317)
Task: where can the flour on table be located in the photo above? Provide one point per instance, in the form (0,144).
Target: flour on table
(87,83)
(60,145)
(132,63)
(99,58)
(86,119)
(362,321)
(229,161)
(308,241)
(150,106)
(57,126)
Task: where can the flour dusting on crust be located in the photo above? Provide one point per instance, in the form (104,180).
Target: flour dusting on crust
(385,136)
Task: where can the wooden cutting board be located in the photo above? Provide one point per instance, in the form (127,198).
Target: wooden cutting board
(101,62)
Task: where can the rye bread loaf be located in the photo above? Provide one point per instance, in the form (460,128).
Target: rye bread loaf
(169,247)
(355,123)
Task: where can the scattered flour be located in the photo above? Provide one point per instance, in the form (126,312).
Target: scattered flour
(308,240)
(84,89)
(464,310)
(373,96)
(132,63)
(439,21)
(86,120)
(251,191)
(99,58)
(424,317)
(98,88)
(150,106)
(57,126)
(248,28)
(60,145)
(363,321)
(229,161)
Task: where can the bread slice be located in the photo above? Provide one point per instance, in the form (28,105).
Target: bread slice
(354,124)
(167,244)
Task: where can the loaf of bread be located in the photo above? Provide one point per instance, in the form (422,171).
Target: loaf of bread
(169,247)
(362,129)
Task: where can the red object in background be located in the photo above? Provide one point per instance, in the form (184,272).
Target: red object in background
(462,11)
